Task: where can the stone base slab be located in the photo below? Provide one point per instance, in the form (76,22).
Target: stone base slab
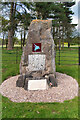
(37,84)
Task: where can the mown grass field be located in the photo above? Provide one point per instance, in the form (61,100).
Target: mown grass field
(68,109)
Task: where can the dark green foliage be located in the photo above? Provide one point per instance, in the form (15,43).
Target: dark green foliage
(18,15)
(24,12)
(4,24)
(61,15)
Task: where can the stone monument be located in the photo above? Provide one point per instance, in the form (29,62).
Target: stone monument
(37,66)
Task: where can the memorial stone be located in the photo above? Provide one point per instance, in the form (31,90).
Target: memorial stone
(38,58)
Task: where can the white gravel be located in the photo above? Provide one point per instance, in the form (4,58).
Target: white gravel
(67,89)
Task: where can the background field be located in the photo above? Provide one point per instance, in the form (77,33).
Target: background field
(68,109)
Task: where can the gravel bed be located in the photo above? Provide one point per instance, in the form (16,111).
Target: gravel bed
(67,89)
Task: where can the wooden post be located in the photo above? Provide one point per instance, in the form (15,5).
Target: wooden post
(59,55)
(16,55)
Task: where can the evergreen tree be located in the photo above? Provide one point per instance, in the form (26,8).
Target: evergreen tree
(15,10)
(68,25)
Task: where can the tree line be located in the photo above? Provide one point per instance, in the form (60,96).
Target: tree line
(16,17)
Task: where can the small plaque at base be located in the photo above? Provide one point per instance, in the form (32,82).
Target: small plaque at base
(37,84)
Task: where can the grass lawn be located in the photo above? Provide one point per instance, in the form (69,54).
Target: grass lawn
(68,109)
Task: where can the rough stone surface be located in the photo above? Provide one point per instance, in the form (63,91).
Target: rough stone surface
(52,80)
(26,84)
(67,89)
(20,81)
(40,28)
(39,64)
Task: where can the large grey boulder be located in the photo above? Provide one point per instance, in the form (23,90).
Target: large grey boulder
(39,64)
